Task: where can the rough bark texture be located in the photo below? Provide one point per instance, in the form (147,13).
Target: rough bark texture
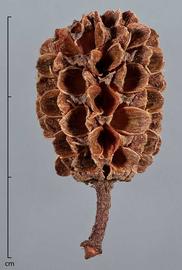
(93,246)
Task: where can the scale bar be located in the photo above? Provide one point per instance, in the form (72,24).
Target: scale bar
(8,139)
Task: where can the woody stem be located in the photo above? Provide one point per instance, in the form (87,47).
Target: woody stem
(93,246)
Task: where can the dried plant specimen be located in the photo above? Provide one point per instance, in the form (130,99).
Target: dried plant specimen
(99,97)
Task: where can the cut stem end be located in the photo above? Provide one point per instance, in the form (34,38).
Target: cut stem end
(90,250)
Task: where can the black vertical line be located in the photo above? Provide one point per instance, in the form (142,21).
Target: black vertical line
(8,144)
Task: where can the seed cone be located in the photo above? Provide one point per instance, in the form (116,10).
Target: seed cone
(99,97)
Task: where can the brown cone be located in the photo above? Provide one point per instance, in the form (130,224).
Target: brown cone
(99,97)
